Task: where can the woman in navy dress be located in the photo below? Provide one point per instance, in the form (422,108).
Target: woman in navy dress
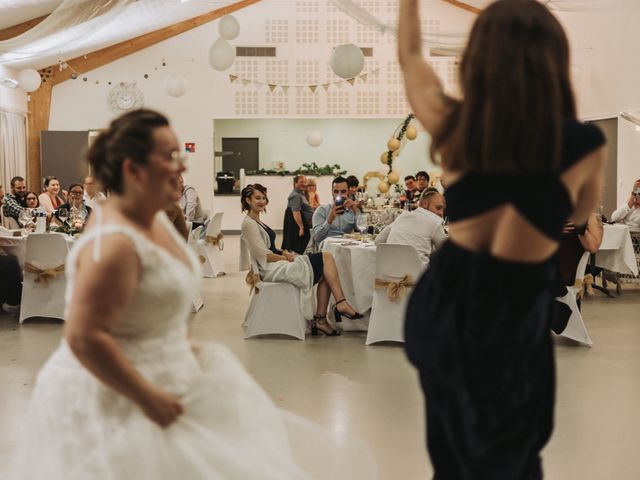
(518,165)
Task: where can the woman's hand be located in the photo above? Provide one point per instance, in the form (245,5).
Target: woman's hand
(289,257)
(162,407)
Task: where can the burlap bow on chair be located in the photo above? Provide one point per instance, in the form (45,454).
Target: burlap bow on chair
(44,274)
(584,285)
(253,279)
(396,290)
(217,240)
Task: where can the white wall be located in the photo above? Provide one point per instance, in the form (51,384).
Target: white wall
(356,145)
(12,99)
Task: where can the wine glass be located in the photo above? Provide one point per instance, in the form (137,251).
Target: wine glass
(63,214)
(361,223)
(25,217)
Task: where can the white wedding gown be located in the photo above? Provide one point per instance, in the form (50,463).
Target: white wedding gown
(79,429)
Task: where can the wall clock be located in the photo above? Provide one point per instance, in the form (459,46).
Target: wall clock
(124,97)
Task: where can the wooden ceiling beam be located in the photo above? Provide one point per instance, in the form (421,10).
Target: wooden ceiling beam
(464,6)
(91,61)
(11,32)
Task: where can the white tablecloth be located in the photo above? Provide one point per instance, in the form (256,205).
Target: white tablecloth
(17,246)
(616,252)
(356,263)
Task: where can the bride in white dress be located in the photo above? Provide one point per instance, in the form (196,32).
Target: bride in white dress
(125,396)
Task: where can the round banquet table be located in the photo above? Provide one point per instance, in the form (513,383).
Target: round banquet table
(17,246)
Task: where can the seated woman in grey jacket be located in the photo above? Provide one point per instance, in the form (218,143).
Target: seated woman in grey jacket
(302,271)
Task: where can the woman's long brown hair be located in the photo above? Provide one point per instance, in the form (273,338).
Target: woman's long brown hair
(514,76)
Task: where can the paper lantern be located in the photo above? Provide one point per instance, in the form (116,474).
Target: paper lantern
(229,28)
(314,139)
(393,178)
(221,55)
(393,144)
(29,80)
(175,85)
(384,158)
(411,133)
(383,187)
(347,61)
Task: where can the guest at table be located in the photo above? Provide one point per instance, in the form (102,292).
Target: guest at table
(297,218)
(31,200)
(91,193)
(338,217)
(75,207)
(411,192)
(190,204)
(629,213)
(354,184)
(420,228)
(10,283)
(13,204)
(312,193)
(435,201)
(422,180)
(302,271)
(51,199)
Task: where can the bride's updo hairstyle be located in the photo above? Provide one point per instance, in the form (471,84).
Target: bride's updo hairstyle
(129,136)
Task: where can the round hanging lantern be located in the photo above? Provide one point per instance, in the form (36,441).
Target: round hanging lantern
(384,158)
(29,80)
(383,187)
(221,55)
(393,144)
(347,61)
(229,28)
(314,139)
(411,133)
(393,178)
(175,85)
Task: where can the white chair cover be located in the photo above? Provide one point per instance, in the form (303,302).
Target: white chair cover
(44,298)
(576,329)
(274,309)
(214,252)
(5,232)
(393,263)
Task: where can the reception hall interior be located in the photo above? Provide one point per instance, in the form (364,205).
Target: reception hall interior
(306,98)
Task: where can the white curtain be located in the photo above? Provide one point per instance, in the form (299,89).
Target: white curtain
(13,147)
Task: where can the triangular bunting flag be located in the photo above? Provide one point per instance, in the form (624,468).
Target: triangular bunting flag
(326,86)
(285,88)
(233,78)
(272,87)
(313,88)
(351,81)
(364,77)
(376,72)
(245,82)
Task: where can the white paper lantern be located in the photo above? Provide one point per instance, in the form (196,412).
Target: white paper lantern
(29,80)
(221,55)
(314,139)
(175,85)
(229,28)
(347,61)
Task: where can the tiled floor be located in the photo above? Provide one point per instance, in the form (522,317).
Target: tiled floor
(372,392)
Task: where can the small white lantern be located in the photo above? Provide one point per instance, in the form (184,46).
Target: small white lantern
(347,61)
(229,28)
(314,139)
(221,55)
(29,80)
(175,85)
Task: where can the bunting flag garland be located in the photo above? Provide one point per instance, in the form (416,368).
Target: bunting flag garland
(273,87)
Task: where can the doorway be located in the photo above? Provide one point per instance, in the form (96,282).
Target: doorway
(244,154)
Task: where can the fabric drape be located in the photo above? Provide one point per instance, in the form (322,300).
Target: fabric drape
(13,147)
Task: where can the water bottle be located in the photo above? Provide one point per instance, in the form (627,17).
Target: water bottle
(41,221)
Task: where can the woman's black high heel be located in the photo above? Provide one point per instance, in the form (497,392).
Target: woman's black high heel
(338,315)
(322,320)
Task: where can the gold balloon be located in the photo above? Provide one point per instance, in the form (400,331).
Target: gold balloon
(393,178)
(384,158)
(383,187)
(393,144)
(411,133)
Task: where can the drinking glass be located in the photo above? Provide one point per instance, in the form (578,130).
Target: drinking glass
(361,223)
(63,214)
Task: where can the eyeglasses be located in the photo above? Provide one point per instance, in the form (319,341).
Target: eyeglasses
(75,192)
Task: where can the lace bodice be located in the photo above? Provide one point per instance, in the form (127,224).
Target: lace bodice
(162,299)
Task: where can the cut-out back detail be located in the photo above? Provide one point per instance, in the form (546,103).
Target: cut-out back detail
(541,198)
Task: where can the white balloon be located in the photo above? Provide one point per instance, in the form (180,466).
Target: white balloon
(29,80)
(175,85)
(221,55)
(314,139)
(229,28)
(347,61)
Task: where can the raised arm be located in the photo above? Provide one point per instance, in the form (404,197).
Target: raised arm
(423,87)
(103,291)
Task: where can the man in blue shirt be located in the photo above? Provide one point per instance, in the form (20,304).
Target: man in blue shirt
(337,217)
